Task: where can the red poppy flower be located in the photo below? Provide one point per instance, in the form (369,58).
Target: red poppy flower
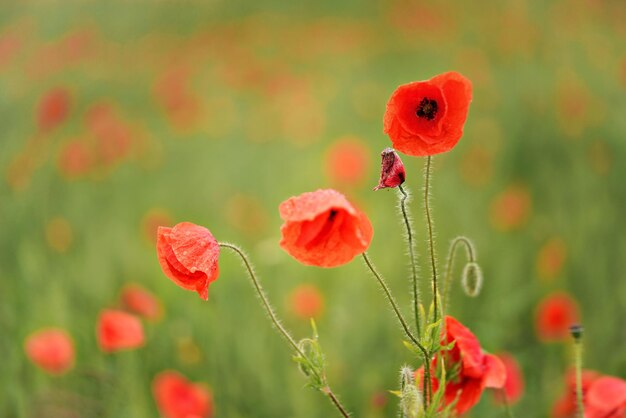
(53,109)
(555,314)
(470,369)
(50,349)
(323,229)
(306,302)
(176,397)
(141,302)
(427,117)
(565,407)
(606,398)
(188,255)
(119,330)
(392,172)
(514,383)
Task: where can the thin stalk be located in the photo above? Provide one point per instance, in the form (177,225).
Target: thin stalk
(578,359)
(279,326)
(507,407)
(409,234)
(471,255)
(431,239)
(405,327)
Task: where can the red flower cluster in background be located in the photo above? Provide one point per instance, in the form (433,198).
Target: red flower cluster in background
(188,255)
(51,349)
(53,109)
(603,396)
(306,301)
(323,229)
(118,330)
(427,117)
(470,369)
(140,301)
(176,397)
(555,314)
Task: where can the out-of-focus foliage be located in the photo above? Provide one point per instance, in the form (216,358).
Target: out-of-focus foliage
(120,116)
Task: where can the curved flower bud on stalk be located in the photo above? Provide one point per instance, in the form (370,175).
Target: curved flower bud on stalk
(472,279)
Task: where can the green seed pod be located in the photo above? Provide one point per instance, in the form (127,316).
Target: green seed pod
(472,279)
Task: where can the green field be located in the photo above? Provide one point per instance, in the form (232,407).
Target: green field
(222,110)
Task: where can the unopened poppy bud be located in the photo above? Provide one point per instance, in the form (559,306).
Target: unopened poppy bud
(577,331)
(411,399)
(392,172)
(472,279)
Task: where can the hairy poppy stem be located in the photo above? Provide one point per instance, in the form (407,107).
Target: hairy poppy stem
(577,333)
(471,256)
(279,327)
(409,233)
(431,239)
(405,327)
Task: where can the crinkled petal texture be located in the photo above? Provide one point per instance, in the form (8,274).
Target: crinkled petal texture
(323,229)
(176,397)
(188,255)
(118,330)
(51,349)
(419,131)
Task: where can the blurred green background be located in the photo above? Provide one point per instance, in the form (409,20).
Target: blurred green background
(214,112)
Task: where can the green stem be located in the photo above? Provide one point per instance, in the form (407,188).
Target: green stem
(471,255)
(280,328)
(507,407)
(578,359)
(405,327)
(409,234)
(431,239)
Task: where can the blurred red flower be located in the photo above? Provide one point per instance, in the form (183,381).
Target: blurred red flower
(603,396)
(511,208)
(53,109)
(469,369)
(392,173)
(306,301)
(188,255)
(118,330)
(555,314)
(176,397)
(50,349)
(323,229)
(427,117)
(140,301)
(551,258)
(76,158)
(514,382)
(606,398)
(348,161)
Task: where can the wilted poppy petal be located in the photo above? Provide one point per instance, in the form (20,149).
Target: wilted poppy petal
(323,229)
(188,255)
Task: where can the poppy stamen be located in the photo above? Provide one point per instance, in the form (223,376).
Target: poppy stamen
(427,109)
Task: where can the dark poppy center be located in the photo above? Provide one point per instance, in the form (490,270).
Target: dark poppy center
(427,109)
